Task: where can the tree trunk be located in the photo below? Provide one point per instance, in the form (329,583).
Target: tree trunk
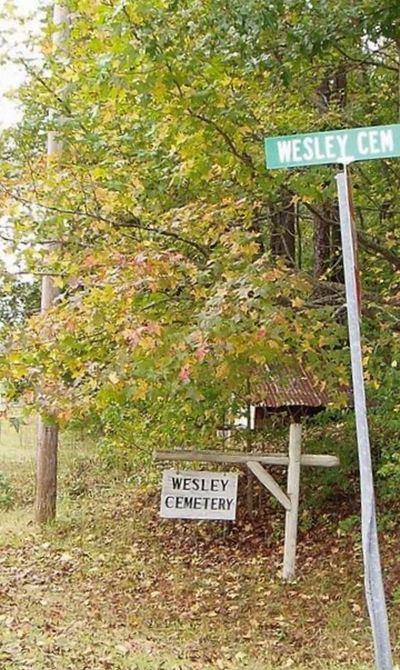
(46,472)
(283,230)
(327,243)
(322,246)
(337,273)
(47,435)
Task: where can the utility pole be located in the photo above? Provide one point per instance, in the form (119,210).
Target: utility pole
(47,434)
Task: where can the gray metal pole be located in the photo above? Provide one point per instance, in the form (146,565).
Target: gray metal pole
(372,567)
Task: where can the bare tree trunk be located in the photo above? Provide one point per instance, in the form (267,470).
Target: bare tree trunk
(47,435)
(283,230)
(46,472)
(327,242)
(322,246)
(337,273)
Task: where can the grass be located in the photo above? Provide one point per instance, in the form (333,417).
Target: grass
(16,468)
(110,585)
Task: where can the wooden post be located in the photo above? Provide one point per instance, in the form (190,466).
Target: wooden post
(46,472)
(293,491)
(250,478)
(47,435)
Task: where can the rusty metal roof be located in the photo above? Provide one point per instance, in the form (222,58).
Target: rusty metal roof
(288,385)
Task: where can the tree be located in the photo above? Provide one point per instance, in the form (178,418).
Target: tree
(18,300)
(170,299)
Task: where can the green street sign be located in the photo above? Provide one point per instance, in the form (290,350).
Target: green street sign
(334,146)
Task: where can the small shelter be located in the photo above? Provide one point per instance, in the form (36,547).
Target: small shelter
(286,388)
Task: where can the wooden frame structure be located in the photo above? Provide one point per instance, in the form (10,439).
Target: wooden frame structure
(255,462)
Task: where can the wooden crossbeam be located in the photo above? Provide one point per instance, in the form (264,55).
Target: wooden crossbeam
(269,482)
(314,460)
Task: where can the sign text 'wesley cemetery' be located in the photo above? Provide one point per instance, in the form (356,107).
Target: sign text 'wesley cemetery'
(198,495)
(334,146)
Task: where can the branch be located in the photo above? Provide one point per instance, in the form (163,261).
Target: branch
(56,96)
(115,224)
(44,83)
(365,241)
(241,155)
(364,61)
(372,245)
(167,233)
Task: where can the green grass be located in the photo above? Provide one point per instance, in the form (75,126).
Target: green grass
(16,446)
(16,468)
(110,585)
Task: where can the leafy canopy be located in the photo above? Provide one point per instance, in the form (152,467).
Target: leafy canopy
(170,301)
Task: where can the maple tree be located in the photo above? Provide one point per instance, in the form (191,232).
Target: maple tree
(183,265)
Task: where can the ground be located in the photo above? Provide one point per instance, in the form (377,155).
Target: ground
(112,586)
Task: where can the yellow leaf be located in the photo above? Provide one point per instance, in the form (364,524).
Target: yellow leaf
(297,302)
(141,390)
(113,377)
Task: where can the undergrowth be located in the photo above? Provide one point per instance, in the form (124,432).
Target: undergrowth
(111,585)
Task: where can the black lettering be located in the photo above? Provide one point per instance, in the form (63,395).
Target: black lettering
(197,503)
(179,502)
(195,484)
(214,485)
(229,503)
(204,485)
(188,502)
(176,483)
(214,503)
(169,498)
(222,502)
(224,484)
(186,483)
(206,501)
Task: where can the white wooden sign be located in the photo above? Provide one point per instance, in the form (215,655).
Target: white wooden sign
(198,495)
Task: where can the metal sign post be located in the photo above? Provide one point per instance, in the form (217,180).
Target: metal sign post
(346,146)
(372,566)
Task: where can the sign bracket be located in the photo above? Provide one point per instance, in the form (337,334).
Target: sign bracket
(255,462)
(269,483)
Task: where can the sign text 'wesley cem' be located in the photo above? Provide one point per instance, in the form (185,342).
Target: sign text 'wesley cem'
(333,146)
(190,494)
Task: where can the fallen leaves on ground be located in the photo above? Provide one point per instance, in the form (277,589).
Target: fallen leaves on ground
(111,585)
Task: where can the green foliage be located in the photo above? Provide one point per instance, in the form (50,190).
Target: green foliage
(85,475)
(349,524)
(396,596)
(389,472)
(170,301)
(6,492)
(18,300)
